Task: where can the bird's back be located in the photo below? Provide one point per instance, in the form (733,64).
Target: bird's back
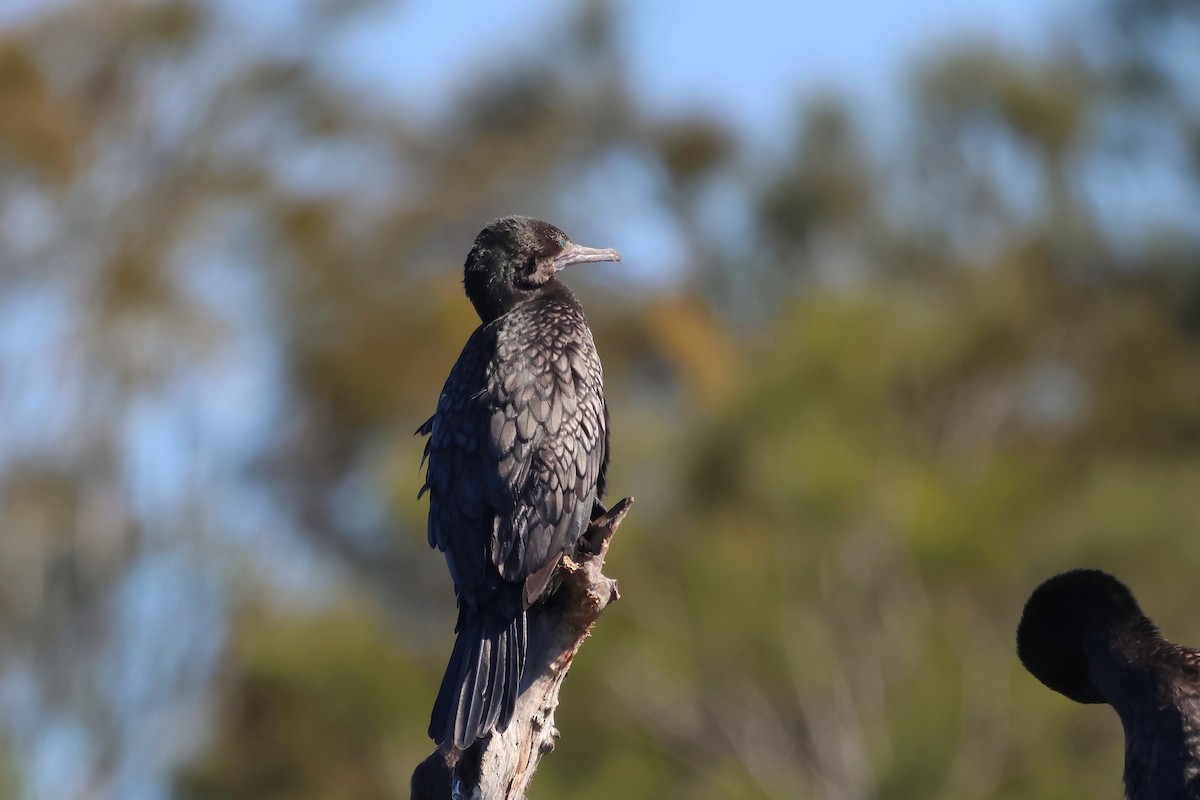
(518,448)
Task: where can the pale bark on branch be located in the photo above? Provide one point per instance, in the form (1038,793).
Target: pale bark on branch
(501,766)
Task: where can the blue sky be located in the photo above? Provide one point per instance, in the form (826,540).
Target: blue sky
(754,59)
(746,62)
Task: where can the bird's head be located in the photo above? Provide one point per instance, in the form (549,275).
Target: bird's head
(1068,617)
(515,257)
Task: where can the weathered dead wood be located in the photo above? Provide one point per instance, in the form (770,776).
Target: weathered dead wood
(500,766)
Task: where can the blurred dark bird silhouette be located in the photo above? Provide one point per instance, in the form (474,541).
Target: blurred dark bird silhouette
(1083,635)
(518,454)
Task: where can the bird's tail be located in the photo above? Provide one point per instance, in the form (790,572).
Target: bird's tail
(479,690)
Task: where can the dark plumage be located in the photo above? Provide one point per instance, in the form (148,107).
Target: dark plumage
(517,453)
(1083,635)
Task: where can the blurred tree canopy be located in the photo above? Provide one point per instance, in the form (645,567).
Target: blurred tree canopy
(888,389)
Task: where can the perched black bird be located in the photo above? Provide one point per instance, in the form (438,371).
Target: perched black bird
(1083,635)
(518,452)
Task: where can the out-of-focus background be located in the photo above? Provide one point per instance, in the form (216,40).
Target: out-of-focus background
(909,320)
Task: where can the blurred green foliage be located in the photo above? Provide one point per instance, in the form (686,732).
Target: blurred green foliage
(859,435)
(300,733)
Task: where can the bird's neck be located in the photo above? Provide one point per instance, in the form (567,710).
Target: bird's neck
(494,300)
(1122,659)
(1150,682)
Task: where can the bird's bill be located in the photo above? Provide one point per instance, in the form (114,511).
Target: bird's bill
(578,254)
